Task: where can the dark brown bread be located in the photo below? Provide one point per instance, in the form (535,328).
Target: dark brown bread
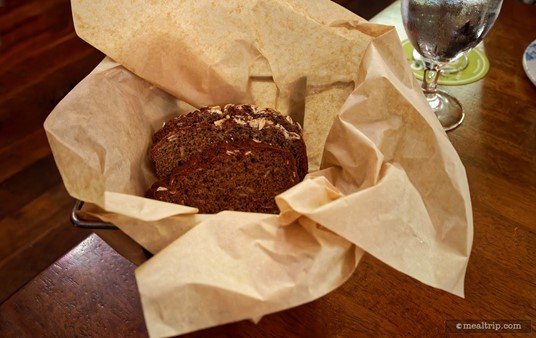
(241,176)
(190,134)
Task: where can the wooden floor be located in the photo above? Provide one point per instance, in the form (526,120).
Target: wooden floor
(41,60)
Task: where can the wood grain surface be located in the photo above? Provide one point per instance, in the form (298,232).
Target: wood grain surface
(41,60)
(91,291)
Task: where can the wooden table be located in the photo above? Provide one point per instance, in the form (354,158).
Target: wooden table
(92,292)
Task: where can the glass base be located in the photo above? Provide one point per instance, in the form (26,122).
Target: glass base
(447,108)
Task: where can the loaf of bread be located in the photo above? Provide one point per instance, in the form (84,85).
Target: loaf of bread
(236,158)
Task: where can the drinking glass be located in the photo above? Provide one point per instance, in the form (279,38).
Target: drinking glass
(440,31)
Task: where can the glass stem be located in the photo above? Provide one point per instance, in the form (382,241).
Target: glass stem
(429,83)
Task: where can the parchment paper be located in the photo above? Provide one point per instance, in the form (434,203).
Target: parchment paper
(384,177)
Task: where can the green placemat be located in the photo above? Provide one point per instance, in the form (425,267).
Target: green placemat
(476,69)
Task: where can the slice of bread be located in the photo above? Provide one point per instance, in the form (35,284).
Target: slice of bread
(242,176)
(191,134)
